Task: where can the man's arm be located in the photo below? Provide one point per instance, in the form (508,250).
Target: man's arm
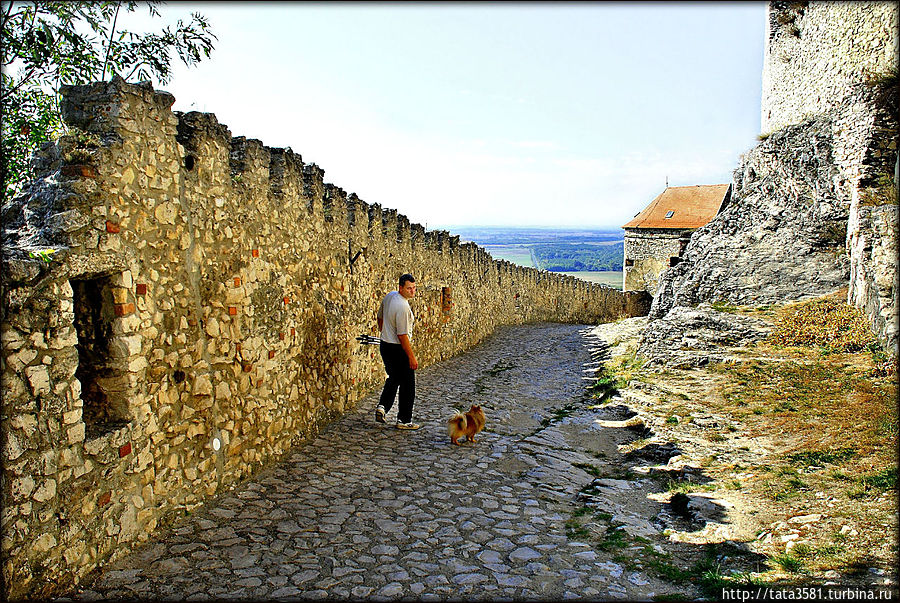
(407,347)
(380,324)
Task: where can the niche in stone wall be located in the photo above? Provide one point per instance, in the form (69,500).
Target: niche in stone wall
(446,301)
(104,390)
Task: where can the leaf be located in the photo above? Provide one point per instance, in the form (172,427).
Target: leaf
(53,43)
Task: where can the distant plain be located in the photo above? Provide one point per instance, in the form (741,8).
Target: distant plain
(519,245)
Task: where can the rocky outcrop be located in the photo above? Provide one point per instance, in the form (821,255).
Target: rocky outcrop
(782,238)
(692,337)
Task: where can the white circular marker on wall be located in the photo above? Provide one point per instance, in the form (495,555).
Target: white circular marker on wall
(216,444)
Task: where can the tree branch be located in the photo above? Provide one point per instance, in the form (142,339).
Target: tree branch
(112,31)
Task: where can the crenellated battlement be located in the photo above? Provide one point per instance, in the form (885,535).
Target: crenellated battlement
(198,319)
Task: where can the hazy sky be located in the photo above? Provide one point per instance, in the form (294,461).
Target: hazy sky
(496,114)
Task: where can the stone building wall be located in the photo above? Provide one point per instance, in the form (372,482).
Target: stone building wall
(649,251)
(197,317)
(815,51)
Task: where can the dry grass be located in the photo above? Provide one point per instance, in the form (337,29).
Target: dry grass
(819,388)
(825,323)
(831,403)
(816,396)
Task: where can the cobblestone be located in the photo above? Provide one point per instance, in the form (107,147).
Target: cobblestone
(368,511)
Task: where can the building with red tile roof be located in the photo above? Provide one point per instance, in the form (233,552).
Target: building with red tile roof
(657,236)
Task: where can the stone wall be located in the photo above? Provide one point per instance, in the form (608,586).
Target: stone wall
(649,251)
(816,51)
(194,317)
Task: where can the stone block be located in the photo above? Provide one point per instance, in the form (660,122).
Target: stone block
(25,422)
(45,491)
(212,327)
(72,416)
(119,295)
(126,346)
(21,359)
(123,309)
(75,433)
(135,365)
(43,544)
(68,457)
(39,379)
(165,213)
(223,391)
(64,337)
(11,338)
(22,488)
(202,386)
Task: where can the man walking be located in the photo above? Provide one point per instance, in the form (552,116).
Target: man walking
(395,321)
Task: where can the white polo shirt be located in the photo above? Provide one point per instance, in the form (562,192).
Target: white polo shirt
(396,316)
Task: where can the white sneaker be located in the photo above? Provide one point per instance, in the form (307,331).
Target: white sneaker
(409,425)
(379,414)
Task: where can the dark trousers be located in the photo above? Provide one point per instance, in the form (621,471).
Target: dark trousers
(401,377)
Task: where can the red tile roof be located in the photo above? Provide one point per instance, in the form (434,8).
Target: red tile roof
(691,207)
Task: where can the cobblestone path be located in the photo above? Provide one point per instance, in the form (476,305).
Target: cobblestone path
(369,511)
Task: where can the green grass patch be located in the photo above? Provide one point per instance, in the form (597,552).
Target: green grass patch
(788,563)
(558,415)
(822,457)
(721,306)
(886,479)
(575,530)
(606,386)
(667,571)
(614,538)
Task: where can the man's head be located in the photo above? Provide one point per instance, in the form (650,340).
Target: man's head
(407,286)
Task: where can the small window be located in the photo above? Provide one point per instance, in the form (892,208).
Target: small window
(674,261)
(629,262)
(669,214)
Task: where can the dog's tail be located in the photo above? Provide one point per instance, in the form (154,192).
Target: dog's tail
(457,423)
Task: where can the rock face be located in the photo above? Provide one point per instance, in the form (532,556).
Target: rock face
(815,204)
(874,275)
(782,237)
(692,337)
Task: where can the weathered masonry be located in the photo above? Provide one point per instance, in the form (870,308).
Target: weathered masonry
(824,58)
(190,313)
(817,51)
(657,236)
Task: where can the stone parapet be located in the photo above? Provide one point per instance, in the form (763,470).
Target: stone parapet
(195,317)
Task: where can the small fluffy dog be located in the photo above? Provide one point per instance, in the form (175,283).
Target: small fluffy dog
(466,424)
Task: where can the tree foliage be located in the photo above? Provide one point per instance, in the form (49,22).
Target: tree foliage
(46,44)
(577,257)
